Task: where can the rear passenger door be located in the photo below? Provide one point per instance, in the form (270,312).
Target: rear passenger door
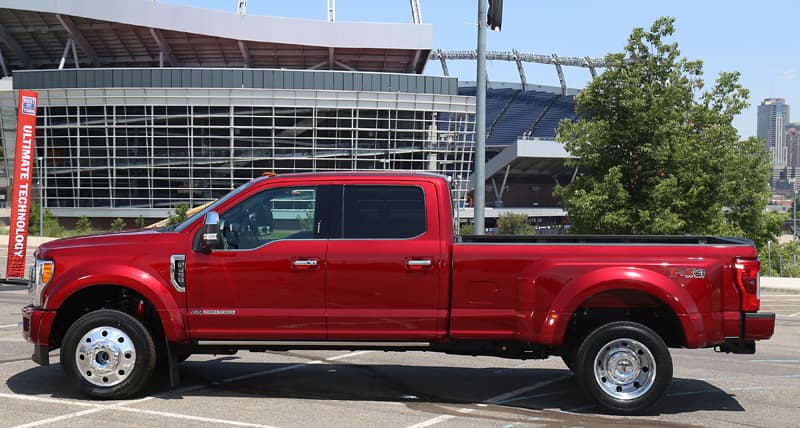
(383,265)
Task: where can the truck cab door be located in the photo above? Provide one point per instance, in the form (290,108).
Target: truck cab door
(384,265)
(268,280)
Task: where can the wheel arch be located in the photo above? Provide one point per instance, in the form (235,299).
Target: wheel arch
(111,296)
(621,289)
(71,286)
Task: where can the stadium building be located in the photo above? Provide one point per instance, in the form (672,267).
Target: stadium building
(139,111)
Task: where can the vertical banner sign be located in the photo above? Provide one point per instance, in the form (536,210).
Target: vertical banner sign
(22,192)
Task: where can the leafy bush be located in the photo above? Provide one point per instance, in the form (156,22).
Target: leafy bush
(140,222)
(179,215)
(118,224)
(514,224)
(83,225)
(51,225)
(780,259)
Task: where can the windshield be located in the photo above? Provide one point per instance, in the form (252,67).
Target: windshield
(211,207)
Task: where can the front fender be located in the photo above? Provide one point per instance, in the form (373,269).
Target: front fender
(149,284)
(555,322)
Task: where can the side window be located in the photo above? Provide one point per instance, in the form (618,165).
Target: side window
(282,213)
(383,212)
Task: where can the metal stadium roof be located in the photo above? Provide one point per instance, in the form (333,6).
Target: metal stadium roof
(138,33)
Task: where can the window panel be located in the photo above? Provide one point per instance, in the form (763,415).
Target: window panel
(383,212)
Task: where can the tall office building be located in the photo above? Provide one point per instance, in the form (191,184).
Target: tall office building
(773,116)
(793,144)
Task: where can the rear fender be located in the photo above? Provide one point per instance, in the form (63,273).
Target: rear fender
(148,284)
(555,322)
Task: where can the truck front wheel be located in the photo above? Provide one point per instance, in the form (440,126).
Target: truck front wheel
(109,353)
(625,367)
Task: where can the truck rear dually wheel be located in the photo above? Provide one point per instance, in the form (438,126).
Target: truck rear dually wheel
(625,367)
(109,353)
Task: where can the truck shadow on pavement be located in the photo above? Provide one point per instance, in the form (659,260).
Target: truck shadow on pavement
(424,388)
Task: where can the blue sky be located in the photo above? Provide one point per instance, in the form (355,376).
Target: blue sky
(758,39)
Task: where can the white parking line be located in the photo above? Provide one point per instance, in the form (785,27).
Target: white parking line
(794,315)
(292,367)
(266,372)
(439,419)
(499,399)
(350,355)
(9,325)
(502,397)
(192,418)
(95,408)
(702,391)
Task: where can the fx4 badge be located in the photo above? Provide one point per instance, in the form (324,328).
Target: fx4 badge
(688,273)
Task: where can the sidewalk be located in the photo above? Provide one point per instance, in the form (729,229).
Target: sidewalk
(784,285)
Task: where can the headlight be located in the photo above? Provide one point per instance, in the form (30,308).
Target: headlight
(41,273)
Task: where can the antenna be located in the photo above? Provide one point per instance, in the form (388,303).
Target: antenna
(331,10)
(416,11)
(241,7)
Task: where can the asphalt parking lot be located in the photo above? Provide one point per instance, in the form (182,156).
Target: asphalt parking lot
(414,389)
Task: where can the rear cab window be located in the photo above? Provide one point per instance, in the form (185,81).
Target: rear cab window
(383,212)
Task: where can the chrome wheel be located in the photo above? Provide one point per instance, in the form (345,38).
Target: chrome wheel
(105,356)
(625,369)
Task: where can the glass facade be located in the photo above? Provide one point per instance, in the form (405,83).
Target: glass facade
(145,149)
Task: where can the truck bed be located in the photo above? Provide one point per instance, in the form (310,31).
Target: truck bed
(603,239)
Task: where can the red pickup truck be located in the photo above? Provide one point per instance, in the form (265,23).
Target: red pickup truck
(371,261)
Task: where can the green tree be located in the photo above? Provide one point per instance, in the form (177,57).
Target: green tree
(118,224)
(466,229)
(83,225)
(780,259)
(140,222)
(179,215)
(657,152)
(514,224)
(51,225)
(33,220)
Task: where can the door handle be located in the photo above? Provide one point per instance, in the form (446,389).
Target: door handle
(419,264)
(305,264)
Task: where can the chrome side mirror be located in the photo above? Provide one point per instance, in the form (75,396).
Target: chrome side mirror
(211,238)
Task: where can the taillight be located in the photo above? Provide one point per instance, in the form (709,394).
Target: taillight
(747,279)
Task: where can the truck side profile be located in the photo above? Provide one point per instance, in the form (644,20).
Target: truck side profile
(370,261)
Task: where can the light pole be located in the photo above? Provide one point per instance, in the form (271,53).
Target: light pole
(479,198)
(41,195)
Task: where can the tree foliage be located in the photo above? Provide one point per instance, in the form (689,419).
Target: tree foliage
(656,150)
(83,225)
(118,224)
(51,225)
(179,215)
(514,224)
(780,259)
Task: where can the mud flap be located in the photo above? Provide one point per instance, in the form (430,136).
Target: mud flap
(41,355)
(173,365)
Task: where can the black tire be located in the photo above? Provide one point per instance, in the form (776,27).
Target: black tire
(625,367)
(109,354)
